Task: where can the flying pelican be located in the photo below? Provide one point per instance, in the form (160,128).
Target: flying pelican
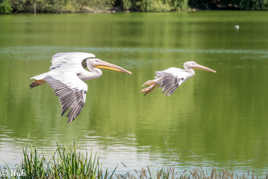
(170,79)
(67,74)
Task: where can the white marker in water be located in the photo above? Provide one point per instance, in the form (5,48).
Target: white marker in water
(236,27)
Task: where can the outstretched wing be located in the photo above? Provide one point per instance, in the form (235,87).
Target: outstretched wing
(168,82)
(71,92)
(69,59)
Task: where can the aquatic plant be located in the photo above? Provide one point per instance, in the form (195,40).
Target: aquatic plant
(69,163)
(65,163)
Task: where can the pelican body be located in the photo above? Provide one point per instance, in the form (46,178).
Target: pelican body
(170,79)
(67,74)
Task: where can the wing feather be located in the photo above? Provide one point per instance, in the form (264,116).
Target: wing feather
(168,82)
(71,92)
(69,59)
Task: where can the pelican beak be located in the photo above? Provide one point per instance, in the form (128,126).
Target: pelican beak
(201,67)
(109,66)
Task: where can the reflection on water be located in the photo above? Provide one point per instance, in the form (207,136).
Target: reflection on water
(214,120)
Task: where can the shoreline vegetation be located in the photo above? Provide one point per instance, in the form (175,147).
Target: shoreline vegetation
(112,6)
(69,163)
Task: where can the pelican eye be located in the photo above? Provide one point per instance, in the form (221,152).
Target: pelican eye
(84,63)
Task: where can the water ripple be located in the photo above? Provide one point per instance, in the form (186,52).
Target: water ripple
(42,50)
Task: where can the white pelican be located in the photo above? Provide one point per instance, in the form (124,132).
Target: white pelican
(170,79)
(67,74)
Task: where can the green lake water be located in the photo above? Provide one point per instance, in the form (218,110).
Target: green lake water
(212,120)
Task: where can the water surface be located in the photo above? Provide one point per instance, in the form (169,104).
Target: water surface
(212,120)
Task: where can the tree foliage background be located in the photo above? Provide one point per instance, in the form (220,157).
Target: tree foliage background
(61,6)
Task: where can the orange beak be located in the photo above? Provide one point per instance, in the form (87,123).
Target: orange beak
(203,68)
(109,66)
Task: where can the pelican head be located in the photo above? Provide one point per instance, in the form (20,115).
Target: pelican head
(193,65)
(98,63)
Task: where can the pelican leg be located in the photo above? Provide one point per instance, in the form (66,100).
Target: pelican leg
(36,83)
(151,85)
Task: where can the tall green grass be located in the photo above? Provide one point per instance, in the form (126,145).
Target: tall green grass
(69,163)
(65,163)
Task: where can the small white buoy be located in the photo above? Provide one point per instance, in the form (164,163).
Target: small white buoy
(236,27)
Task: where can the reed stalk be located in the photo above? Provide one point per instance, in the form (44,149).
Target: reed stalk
(69,163)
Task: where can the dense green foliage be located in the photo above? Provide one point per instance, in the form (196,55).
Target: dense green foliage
(5,7)
(229,4)
(60,6)
(150,5)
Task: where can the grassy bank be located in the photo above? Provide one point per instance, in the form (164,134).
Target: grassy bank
(69,163)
